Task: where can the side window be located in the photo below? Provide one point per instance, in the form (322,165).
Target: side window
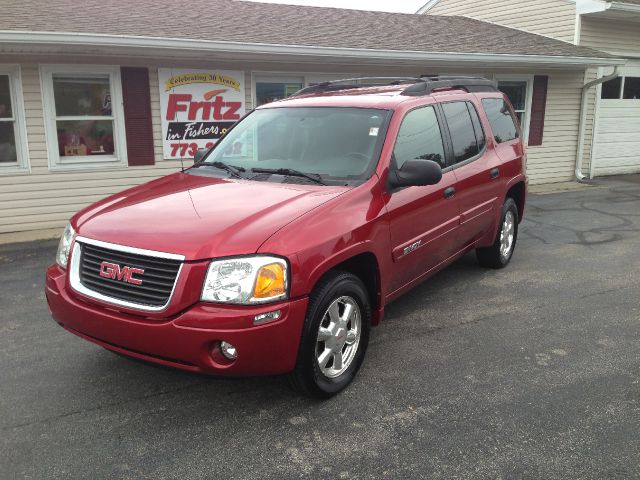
(477,126)
(419,137)
(461,127)
(500,118)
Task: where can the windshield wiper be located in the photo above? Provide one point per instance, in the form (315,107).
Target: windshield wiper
(314,177)
(232,169)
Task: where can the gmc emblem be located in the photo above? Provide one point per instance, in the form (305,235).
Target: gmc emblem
(124,274)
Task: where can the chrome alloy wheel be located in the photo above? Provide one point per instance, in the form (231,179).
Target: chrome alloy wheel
(338,336)
(507,234)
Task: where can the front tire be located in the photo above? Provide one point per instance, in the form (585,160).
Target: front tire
(335,336)
(499,254)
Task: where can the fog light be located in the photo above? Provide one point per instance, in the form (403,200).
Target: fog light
(228,350)
(266,317)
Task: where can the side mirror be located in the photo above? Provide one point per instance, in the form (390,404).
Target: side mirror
(200,153)
(415,173)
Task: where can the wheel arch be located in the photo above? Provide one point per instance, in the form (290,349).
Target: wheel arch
(518,192)
(364,265)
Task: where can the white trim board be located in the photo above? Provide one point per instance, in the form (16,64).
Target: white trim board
(119,157)
(23,164)
(528,100)
(176,44)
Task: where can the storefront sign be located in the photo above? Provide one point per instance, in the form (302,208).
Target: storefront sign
(198,107)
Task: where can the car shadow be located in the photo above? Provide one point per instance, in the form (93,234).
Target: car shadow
(128,374)
(443,284)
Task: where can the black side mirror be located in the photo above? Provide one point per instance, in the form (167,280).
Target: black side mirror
(200,153)
(415,173)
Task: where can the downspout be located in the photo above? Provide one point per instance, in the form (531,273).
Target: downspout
(583,120)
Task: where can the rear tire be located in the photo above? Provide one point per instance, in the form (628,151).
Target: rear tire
(499,254)
(334,338)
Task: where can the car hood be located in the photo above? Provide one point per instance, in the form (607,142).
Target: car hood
(199,217)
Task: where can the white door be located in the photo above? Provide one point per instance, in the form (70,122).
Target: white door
(616,146)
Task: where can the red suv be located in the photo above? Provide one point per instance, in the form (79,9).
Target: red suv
(280,247)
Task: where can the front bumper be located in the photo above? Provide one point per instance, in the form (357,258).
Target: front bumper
(188,340)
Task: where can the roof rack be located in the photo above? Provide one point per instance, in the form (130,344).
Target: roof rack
(418,86)
(447,82)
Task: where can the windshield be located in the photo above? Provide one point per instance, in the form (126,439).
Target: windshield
(335,144)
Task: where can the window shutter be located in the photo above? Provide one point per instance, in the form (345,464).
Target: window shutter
(137,115)
(538,108)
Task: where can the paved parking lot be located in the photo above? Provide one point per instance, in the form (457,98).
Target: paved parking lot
(532,372)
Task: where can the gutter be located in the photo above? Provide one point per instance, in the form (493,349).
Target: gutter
(621,6)
(426,7)
(208,46)
(583,120)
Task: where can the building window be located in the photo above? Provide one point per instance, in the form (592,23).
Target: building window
(621,88)
(611,89)
(270,88)
(13,142)
(83,116)
(631,89)
(500,119)
(517,91)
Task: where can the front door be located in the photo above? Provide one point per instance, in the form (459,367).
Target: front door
(423,220)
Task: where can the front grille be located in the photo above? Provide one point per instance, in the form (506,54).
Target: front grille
(159,276)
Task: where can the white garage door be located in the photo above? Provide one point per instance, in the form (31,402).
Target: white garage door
(616,147)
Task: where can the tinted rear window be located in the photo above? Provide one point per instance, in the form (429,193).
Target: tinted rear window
(500,118)
(463,136)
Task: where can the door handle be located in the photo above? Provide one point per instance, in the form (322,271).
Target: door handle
(449,192)
(495,173)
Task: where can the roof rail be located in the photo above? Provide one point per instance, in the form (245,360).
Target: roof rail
(418,85)
(350,83)
(448,82)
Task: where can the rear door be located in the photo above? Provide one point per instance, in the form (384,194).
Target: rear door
(423,220)
(477,169)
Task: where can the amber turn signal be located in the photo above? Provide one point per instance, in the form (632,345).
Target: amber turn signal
(270,282)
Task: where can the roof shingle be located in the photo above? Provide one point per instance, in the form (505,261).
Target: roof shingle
(249,22)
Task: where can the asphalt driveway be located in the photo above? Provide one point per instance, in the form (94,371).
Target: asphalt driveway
(532,372)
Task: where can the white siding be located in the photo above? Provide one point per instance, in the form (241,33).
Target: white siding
(553,18)
(554,160)
(44,200)
(616,146)
(611,36)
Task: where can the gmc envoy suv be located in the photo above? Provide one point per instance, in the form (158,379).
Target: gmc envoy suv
(277,251)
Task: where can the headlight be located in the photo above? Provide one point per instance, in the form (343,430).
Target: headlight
(62,257)
(246,280)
